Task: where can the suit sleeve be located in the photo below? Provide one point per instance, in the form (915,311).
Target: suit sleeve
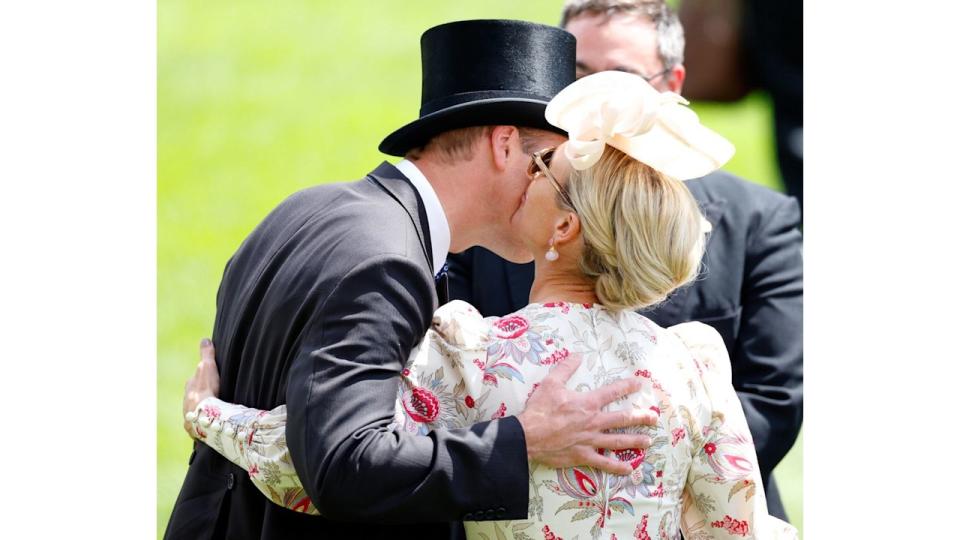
(768,356)
(341,396)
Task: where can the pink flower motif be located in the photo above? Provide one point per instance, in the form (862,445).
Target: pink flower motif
(533,389)
(406,372)
(548,534)
(489,378)
(555,357)
(421,405)
(659,491)
(634,456)
(678,434)
(739,527)
(642,373)
(512,327)
(478,363)
(641,532)
(212,411)
(564,308)
(709,448)
(253,470)
(469,401)
(655,409)
(501,411)
(250,437)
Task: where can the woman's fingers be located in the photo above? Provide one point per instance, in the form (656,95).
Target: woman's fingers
(207,352)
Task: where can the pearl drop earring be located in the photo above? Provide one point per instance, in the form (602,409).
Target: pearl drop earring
(552,254)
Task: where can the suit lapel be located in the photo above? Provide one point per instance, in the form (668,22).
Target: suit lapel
(399,187)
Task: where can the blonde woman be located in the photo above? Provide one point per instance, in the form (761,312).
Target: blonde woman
(615,229)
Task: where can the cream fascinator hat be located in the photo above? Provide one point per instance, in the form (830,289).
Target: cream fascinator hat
(624,111)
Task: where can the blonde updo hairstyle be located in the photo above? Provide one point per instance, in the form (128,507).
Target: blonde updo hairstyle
(642,231)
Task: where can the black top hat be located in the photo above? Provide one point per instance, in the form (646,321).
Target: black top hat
(487,72)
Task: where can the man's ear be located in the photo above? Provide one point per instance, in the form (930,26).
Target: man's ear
(501,145)
(676,77)
(567,228)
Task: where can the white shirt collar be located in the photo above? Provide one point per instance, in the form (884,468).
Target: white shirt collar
(436,218)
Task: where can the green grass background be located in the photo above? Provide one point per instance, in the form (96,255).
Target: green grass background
(258,99)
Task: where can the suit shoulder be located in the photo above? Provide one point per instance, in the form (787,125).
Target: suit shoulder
(737,192)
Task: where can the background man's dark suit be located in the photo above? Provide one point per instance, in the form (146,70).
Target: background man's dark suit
(751,291)
(319,309)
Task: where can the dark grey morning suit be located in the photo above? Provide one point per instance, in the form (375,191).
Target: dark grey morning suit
(319,309)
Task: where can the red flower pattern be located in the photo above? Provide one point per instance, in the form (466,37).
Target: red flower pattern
(555,357)
(501,411)
(564,307)
(641,532)
(709,448)
(212,411)
(421,405)
(469,401)
(678,435)
(739,527)
(634,456)
(548,534)
(512,327)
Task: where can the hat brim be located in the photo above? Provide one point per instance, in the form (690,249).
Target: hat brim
(521,112)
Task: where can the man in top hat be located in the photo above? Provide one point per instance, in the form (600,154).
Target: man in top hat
(321,305)
(751,287)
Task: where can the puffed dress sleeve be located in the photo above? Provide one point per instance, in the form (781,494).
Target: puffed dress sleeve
(723,498)
(256,441)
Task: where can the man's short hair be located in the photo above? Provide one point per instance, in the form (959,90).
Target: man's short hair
(456,145)
(670,41)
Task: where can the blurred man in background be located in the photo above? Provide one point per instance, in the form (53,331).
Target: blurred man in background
(736,46)
(751,288)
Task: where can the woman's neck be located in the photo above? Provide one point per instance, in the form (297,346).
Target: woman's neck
(558,284)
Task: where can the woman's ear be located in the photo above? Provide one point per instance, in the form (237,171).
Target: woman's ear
(500,145)
(567,228)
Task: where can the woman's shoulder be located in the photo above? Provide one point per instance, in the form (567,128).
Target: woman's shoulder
(460,324)
(705,345)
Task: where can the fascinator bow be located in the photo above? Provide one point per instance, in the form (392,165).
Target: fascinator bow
(624,111)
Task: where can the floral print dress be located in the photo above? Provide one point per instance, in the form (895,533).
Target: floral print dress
(699,476)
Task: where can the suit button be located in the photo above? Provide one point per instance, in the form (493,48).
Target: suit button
(490,514)
(230,481)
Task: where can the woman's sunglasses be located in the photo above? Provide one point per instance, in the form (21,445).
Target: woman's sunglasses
(540,163)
